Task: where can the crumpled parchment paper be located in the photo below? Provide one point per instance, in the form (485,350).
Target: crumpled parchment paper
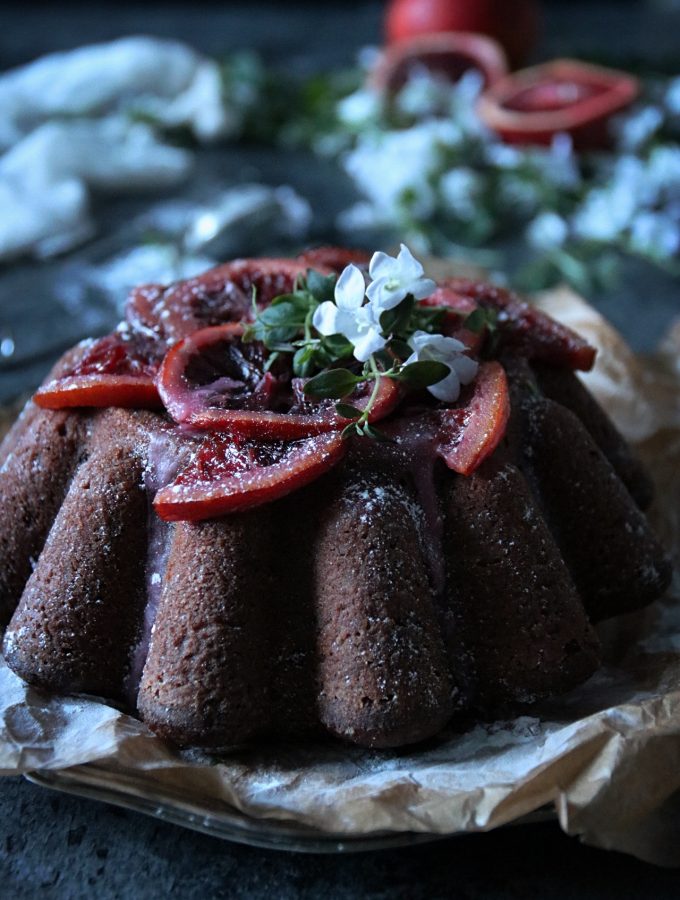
(606,756)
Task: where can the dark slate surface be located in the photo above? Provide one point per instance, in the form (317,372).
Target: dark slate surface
(56,846)
(53,845)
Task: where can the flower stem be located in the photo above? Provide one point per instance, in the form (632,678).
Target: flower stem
(308,325)
(377,375)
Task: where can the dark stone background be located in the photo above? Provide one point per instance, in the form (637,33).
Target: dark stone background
(52,845)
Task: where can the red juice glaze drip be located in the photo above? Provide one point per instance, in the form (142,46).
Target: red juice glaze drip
(169,451)
(411,454)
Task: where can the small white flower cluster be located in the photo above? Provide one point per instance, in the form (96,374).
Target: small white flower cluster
(447,165)
(356,312)
(443,179)
(448,350)
(637,208)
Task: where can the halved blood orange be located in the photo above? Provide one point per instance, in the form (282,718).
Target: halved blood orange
(213,381)
(469,432)
(116,370)
(227,476)
(447,54)
(334,258)
(522,326)
(566,95)
(513,23)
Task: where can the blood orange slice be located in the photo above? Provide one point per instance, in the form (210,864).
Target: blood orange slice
(522,326)
(458,308)
(334,258)
(470,432)
(221,295)
(227,476)
(213,381)
(116,370)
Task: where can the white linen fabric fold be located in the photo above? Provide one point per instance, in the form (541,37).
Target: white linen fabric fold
(165,79)
(71,122)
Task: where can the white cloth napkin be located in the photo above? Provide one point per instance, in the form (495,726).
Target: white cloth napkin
(71,122)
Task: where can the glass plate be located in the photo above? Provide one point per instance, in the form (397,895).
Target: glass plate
(231,825)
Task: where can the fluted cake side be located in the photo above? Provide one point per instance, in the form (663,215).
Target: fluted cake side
(352,606)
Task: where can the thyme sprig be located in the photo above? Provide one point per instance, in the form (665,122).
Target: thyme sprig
(293,325)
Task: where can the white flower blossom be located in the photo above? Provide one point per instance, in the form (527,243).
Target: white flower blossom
(423,94)
(655,235)
(560,165)
(547,231)
(393,169)
(451,352)
(394,278)
(463,105)
(631,176)
(503,156)
(604,214)
(634,130)
(360,108)
(664,171)
(461,189)
(349,316)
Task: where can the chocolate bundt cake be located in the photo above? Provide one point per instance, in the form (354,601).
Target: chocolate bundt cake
(188,532)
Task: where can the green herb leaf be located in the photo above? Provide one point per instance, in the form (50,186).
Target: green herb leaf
(427,318)
(347,411)
(422,374)
(395,321)
(272,359)
(371,431)
(333,384)
(278,324)
(304,361)
(301,302)
(250,333)
(476,320)
(350,430)
(321,287)
(400,348)
(481,318)
(337,346)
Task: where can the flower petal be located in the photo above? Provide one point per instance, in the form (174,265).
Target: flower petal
(466,369)
(350,288)
(381,265)
(408,266)
(384,294)
(325,318)
(437,346)
(422,288)
(451,352)
(447,390)
(369,342)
